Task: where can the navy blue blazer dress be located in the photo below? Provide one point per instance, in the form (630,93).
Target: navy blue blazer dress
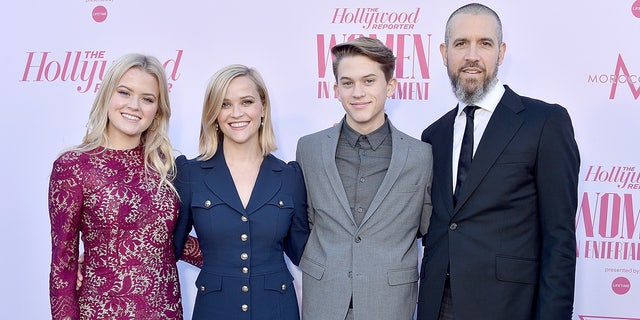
(244,274)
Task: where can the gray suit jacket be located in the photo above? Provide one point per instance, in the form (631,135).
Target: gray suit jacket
(376,262)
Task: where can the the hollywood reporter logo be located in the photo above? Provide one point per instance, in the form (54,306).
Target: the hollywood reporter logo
(411,48)
(376,18)
(87,68)
(607,222)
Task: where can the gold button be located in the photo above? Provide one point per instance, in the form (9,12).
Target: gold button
(202,288)
(244,219)
(245,288)
(244,256)
(207,204)
(245,307)
(281,203)
(244,237)
(245,270)
(284,287)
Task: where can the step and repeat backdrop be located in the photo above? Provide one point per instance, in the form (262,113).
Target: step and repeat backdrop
(583,55)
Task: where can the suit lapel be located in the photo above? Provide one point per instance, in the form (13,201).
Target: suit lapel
(328,153)
(442,143)
(267,184)
(502,126)
(399,154)
(220,182)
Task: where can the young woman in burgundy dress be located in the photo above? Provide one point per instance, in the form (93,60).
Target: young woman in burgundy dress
(114,192)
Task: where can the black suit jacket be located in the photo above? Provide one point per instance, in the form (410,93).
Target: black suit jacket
(510,241)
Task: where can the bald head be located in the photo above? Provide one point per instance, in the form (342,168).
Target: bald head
(473,9)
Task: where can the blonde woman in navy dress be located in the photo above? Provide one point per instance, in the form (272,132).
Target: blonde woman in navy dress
(247,206)
(114,190)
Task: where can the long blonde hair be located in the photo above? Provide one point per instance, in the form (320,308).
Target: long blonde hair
(210,137)
(158,153)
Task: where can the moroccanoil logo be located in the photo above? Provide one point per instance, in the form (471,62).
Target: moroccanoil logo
(621,76)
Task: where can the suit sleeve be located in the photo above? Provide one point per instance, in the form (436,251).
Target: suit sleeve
(300,155)
(299,230)
(184,224)
(427,206)
(557,183)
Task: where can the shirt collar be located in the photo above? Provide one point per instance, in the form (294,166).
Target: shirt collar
(490,101)
(375,138)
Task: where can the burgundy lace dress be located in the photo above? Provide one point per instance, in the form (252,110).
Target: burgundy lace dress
(108,199)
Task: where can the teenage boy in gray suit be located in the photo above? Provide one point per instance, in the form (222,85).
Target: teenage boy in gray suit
(368,191)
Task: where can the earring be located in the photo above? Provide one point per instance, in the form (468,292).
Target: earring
(217,127)
(262,121)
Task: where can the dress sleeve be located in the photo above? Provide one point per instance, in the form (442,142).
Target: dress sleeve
(299,230)
(65,207)
(191,252)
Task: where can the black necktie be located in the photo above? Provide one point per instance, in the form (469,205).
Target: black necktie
(466,151)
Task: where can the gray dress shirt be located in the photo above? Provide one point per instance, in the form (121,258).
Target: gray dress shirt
(362,162)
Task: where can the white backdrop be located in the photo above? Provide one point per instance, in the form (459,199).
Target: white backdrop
(583,55)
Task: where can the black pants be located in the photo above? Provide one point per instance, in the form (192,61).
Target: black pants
(446,306)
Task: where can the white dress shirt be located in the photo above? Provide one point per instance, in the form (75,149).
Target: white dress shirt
(481,118)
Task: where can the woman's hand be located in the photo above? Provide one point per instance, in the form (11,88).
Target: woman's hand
(79,277)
